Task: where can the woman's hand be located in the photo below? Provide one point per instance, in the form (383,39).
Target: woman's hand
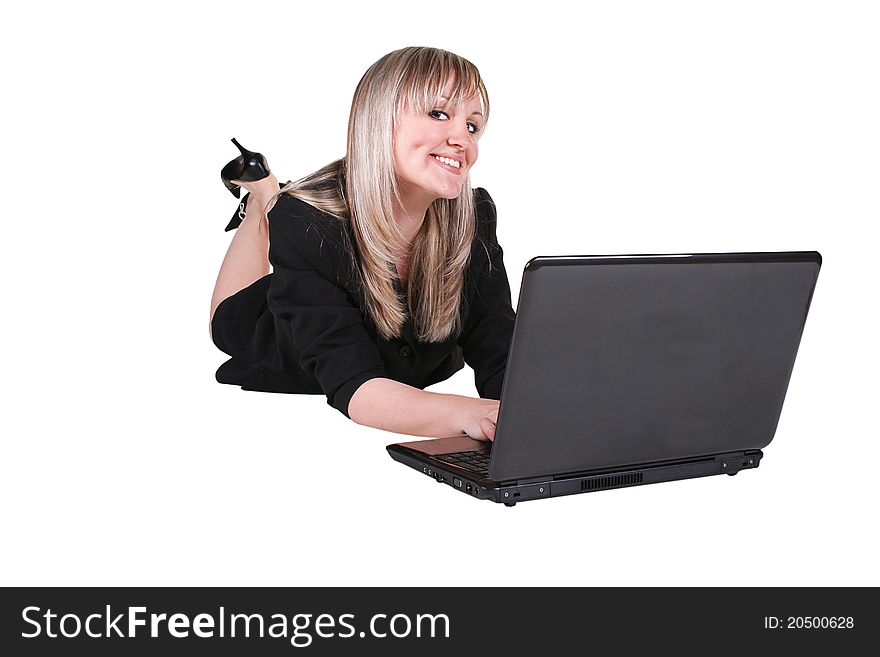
(478,417)
(393,406)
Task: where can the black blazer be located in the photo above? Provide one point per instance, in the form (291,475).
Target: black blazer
(314,335)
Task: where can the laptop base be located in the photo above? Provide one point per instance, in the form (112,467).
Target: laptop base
(422,455)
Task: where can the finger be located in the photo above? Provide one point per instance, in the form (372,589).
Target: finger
(488,428)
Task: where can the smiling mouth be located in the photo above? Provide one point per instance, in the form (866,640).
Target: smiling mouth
(448,163)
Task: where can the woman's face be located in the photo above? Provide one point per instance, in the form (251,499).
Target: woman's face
(433,152)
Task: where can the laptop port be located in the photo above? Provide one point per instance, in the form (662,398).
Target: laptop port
(468,487)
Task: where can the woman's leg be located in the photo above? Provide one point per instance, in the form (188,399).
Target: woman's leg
(247,259)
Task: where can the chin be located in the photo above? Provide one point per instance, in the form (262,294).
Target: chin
(449,193)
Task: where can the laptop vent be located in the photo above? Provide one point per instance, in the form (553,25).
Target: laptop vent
(612,481)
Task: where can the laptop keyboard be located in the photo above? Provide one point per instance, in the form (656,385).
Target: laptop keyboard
(475,461)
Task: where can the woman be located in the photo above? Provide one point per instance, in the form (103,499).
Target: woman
(387,273)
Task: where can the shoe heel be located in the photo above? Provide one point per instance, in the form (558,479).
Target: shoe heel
(245,152)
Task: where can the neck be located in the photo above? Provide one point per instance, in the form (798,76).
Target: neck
(410,214)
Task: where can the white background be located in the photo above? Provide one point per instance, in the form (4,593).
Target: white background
(616,127)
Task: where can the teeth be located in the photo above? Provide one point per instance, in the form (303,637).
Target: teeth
(446,160)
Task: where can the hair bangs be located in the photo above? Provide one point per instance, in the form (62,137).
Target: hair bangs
(423,85)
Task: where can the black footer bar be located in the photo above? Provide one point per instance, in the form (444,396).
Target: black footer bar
(427,621)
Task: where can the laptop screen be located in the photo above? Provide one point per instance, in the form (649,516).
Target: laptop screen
(618,361)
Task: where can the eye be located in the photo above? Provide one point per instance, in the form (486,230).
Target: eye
(440,115)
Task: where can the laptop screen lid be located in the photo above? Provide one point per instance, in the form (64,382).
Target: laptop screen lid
(624,360)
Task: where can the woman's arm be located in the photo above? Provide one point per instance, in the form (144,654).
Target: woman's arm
(392,406)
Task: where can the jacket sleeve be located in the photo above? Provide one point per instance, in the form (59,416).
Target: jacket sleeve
(485,340)
(307,295)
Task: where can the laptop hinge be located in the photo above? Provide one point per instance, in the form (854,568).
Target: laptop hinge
(731,463)
(533,480)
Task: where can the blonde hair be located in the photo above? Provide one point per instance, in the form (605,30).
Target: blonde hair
(361,189)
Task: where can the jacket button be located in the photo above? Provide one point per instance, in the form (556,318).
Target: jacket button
(404,351)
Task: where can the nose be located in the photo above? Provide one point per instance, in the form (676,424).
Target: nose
(459,135)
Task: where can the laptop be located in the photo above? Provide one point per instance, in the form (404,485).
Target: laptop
(631,370)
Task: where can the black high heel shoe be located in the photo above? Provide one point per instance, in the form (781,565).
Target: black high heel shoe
(248,167)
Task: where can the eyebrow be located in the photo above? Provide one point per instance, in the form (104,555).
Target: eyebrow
(471,114)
